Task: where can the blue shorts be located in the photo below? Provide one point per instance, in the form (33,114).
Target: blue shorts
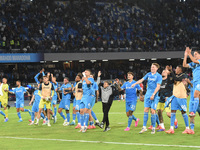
(65,104)
(54,100)
(19,104)
(35,107)
(74,102)
(196,86)
(86,102)
(151,103)
(131,106)
(77,104)
(93,101)
(179,104)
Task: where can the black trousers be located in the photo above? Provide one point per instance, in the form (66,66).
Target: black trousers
(106,108)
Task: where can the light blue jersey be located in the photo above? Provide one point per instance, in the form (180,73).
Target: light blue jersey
(88,88)
(65,96)
(131,92)
(37,96)
(95,88)
(195,70)
(19,93)
(153,80)
(55,85)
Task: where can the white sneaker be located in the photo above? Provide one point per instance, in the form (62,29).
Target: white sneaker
(143,130)
(64,121)
(44,123)
(153,131)
(49,125)
(84,130)
(32,123)
(36,123)
(66,124)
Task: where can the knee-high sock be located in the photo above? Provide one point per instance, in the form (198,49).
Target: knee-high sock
(93,115)
(134,118)
(196,104)
(62,115)
(130,119)
(86,119)
(32,115)
(78,117)
(157,120)
(192,126)
(74,116)
(55,111)
(68,117)
(82,118)
(153,120)
(185,117)
(146,115)
(173,117)
(19,115)
(6,112)
(1,112)
(42,115)
(26,110)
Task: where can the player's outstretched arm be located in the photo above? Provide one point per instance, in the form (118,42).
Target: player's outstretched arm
(138,82)
(185,58)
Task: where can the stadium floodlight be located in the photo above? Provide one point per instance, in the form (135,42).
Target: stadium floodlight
(153,58)
(55,61)
(142,59)
(105,60)
(168,58)
(81,60)
(42,61)
(131,59)
(70,61)
(93,61)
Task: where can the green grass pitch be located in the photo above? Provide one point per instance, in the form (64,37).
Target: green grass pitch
(15,135)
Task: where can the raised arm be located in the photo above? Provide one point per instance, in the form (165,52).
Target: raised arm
(99,78)
(185,58)
(191,57)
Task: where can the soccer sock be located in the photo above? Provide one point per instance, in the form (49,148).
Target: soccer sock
(55,111)
(196,104)
(153,120)
(74,117)
(78,117)
(42,115)
(19,115)
(185,117)
(0,104)
(32,115)
(25,110)
(82,119)
(6,112)
(192,126)
(90,123)
(93,115)
(173,117)
(162,125)
(62,115)
(157,120)
(146,116)
(37,120)
(130,118)
(1,112)
(68,117)
(134,118)
(86,119)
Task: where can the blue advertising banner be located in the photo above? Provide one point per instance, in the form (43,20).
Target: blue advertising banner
(21,57)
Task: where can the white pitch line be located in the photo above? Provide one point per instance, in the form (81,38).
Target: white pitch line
(104,142)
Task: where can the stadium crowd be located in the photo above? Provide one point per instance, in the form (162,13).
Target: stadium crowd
(82,26)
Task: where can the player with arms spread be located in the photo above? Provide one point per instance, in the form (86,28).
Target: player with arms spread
(131,98)
(151,97)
